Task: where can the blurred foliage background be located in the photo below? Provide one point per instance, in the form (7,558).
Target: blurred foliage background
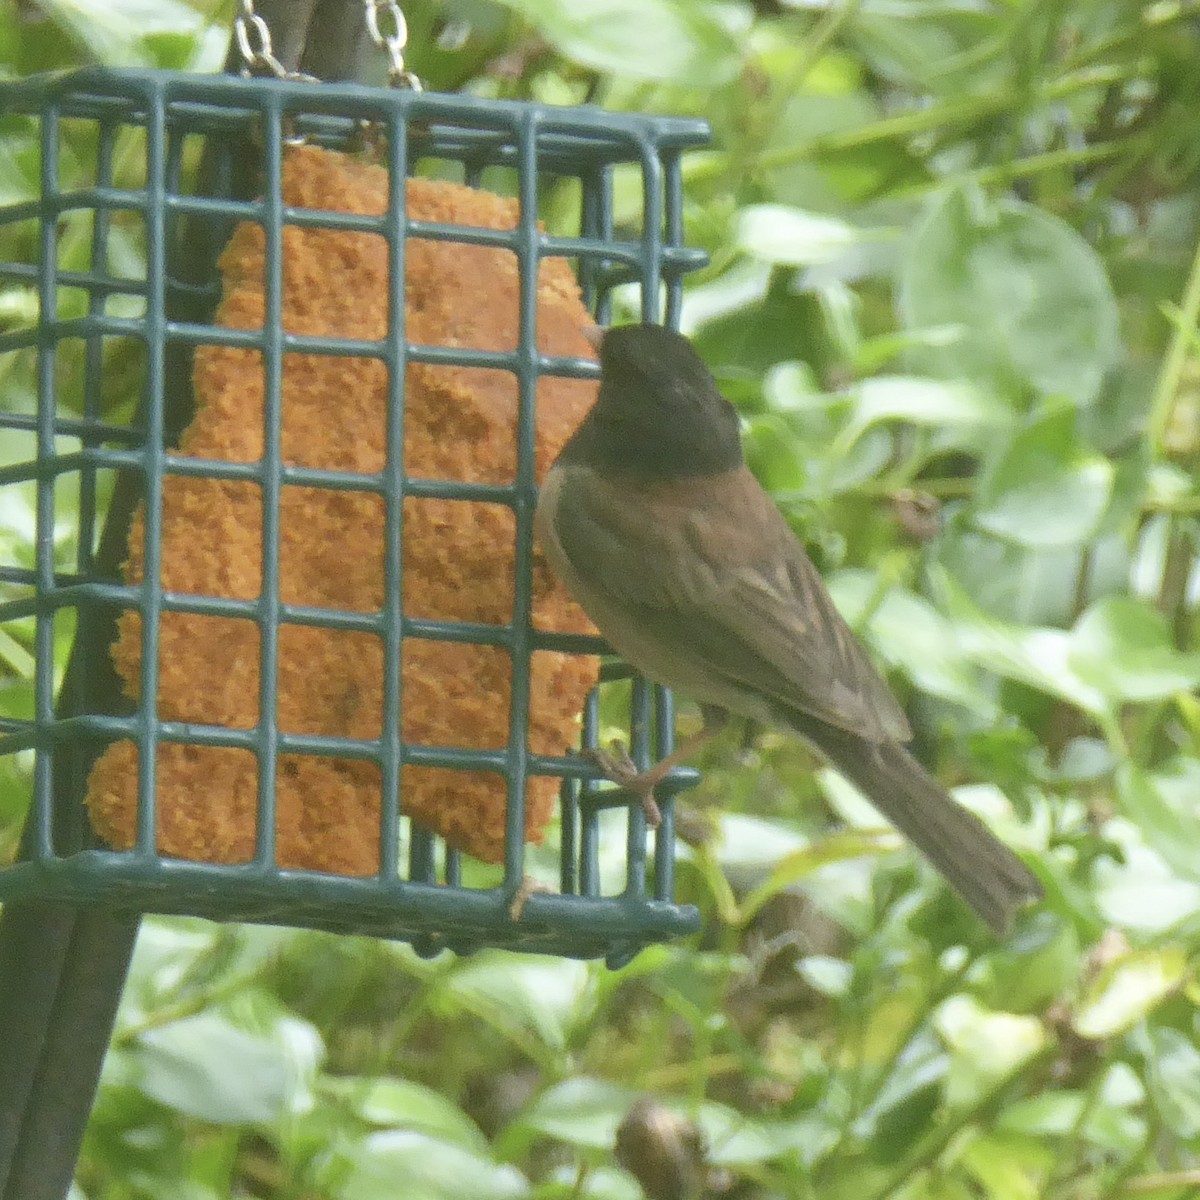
(954,289)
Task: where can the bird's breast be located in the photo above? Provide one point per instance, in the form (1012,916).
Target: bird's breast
(598,538)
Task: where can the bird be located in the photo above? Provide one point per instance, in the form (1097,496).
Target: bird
(651,518)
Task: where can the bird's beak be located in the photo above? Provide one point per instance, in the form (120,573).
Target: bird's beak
(594,335)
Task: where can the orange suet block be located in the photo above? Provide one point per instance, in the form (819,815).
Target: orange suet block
(458,556)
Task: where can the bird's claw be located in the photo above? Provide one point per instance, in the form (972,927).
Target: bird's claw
(527,887)
(614,763)
(617,767)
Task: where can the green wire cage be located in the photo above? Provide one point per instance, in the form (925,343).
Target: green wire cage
(79,445)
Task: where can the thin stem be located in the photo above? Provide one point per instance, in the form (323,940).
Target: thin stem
(192,1006)
(944,987)
(581,1177)
(926,120)
(958,487)
(1161,1181)
(1066,1165)
(751,150)
(1154,17)
(1036,164)
(1118,1184)
(936,1145)
(678,1074)
(1166,388)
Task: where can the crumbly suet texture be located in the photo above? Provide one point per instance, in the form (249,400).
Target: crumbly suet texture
(458,556)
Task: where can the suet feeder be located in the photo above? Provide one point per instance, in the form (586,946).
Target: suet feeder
(298,581)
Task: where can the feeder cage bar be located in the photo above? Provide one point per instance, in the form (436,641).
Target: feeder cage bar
(94,302)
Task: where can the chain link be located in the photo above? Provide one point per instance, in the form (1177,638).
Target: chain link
(385,24)
(254,42)
(391,34)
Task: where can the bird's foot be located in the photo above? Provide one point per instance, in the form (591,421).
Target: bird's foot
(526,888)
(617,767)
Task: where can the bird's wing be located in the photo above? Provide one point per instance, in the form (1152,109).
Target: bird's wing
(709,569)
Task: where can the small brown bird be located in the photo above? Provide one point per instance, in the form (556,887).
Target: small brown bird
(654,523)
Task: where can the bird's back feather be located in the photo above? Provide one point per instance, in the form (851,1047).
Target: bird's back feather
(723,605)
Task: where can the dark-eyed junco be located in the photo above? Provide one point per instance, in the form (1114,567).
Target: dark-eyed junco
(651,518)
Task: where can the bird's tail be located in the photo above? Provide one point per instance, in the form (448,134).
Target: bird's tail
(980,867)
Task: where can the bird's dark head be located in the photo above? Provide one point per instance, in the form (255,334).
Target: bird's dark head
(659,414)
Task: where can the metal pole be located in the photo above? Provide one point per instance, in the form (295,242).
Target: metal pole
(62,969)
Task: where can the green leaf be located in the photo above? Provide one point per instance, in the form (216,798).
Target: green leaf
(799,864)
(1163,804)
(1103,1115)
(902,1103)
(1127,990)
(830,102)
(1035,304)
(205,1067)
(1033,586)
(1045,489)
(928,43)
(1053,1113)
(1123,647)
(985,1046)
(406,1105)
(825,974)
(1038,963)
(18,174)
(745,283)
(792,387)
(877,351)
(933,402)
(115,31)
(678,41)
(732,1137)
(1138,890)
(785,236)
(1189,712)
(17,660)
(897,1126)
(747,846)
(772,454)
(168,949)
(909,633)
(545,995)
(581,1111)
(1008,1168)
(1032,655)
(407,1163)
(598,1183)
(1173,1064)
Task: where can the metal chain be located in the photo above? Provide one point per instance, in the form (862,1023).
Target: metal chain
(391,34)
(385,24)
(254,42)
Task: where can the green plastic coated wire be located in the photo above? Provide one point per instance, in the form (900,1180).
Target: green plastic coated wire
(407,898)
